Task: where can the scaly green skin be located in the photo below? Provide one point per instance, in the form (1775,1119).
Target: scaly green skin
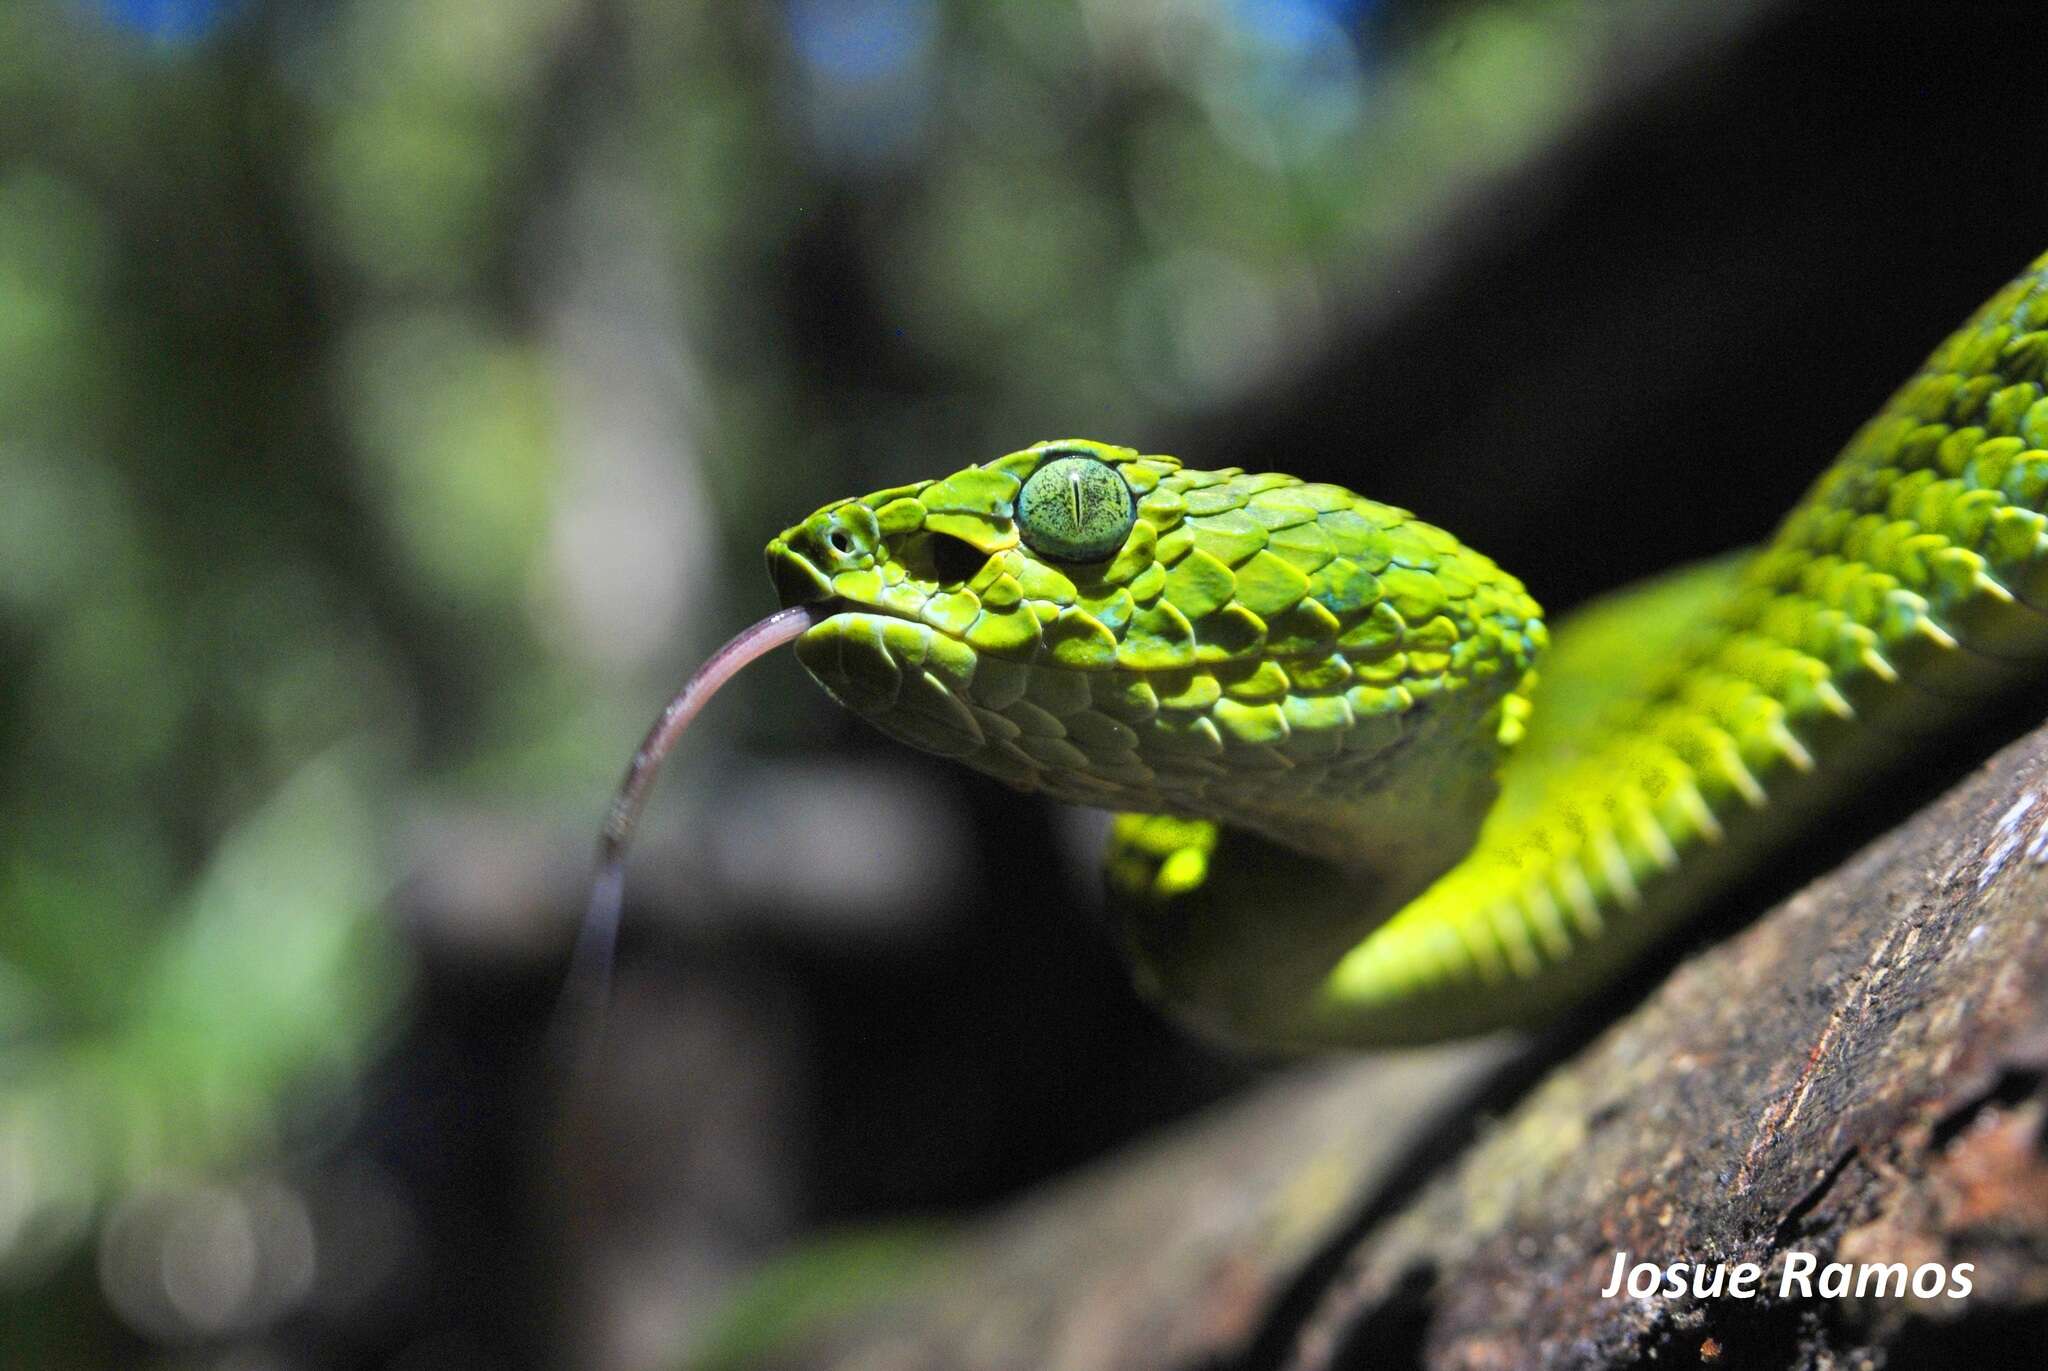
(1350,683)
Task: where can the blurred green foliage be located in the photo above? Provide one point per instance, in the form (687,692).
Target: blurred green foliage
(393,392)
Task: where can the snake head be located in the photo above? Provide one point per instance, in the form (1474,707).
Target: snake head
(1123,631)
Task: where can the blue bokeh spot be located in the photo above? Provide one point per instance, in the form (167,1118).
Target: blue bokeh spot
(169,21)
(1300,23)
(860,42)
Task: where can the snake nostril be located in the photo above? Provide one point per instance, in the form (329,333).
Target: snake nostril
(840,541)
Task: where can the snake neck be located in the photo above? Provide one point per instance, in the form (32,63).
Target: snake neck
(1234,916)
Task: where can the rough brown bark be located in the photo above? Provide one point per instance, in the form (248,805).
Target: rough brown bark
(1858,1075)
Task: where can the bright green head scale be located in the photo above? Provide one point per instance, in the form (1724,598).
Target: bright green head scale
(1121,631)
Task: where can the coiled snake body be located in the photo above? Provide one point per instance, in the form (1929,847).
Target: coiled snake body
(1363,798)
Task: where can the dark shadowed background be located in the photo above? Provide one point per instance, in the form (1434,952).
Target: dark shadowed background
(395,396)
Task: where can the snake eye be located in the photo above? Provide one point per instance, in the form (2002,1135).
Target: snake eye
(1075,509)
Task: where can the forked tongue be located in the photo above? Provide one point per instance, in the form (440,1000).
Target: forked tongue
(580,1014)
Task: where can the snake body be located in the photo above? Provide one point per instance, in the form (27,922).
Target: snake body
(1363,799)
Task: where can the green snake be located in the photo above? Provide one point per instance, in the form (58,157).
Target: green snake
(1363,797)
